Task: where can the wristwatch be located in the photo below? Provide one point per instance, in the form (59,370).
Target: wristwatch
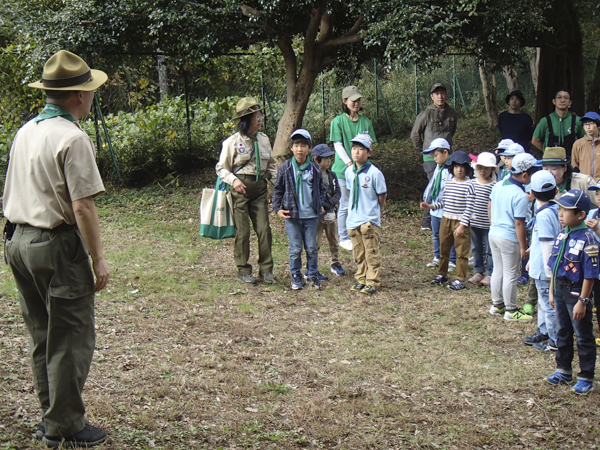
(585,300)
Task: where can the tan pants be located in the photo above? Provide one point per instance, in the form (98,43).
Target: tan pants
(365,249)
(462,245)
(332,239)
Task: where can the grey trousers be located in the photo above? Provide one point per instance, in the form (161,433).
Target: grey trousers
(429,168)
(56,291)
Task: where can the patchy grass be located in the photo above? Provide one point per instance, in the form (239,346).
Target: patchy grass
(188,357)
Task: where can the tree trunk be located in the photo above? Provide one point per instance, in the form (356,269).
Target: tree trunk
(534,65)
(593,101)
(512,78)
(561,60)
(163,85)
(490,106)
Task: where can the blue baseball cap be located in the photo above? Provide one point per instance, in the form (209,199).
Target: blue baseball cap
(513,150)
(364,140)
(302,133)
(504,143)
(543,181)
(574,199)
(591,116)
(322,150)
(596,187)
(435,144)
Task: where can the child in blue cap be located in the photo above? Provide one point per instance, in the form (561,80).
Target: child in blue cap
(593,223)
(322,155)
(574,263)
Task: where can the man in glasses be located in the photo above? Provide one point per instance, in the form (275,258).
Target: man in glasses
(586,151)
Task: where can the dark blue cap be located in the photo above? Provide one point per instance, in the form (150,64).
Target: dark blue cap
(322,150)
(574,199)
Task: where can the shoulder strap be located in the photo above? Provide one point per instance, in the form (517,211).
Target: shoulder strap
(551,137)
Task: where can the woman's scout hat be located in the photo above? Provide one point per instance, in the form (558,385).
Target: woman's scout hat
(246,106)
(555,155)
(65,71)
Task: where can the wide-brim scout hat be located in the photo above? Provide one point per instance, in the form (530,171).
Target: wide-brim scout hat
(458,157)
(517,94)
(555,155)
(65,71)
(351,93)
(246,106)
(574,199)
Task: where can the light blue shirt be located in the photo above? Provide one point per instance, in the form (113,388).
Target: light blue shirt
(305,209)
(427,194)
(546,228)
(371,184)
(509,203)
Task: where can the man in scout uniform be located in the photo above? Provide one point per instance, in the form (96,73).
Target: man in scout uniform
(51,182)
(574,264)
(246,163)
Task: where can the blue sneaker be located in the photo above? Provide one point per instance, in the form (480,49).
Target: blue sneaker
(337,269)
(536,338)
(297,282)
(582,387)
(558,378)
(320,276)
(314,283)
(523,280)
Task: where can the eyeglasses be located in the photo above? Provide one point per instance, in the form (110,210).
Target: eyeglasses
(560,97)
(259,117)
(588,124)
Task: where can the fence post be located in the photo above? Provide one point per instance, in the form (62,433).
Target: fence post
(323,105)
(112,153)
(98,137)
(416,94)
(454,79)
(187,110)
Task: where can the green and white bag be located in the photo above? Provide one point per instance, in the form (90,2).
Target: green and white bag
(216,212)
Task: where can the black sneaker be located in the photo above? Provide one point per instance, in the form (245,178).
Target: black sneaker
(357,287)
(88,437)
(315,283)
(40,431)
(440,279)
(536,338)
(369,290)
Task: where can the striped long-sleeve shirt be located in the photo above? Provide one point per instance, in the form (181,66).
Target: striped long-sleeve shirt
(478,198)
(454,199)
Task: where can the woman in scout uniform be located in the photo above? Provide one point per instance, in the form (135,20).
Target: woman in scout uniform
(246,163)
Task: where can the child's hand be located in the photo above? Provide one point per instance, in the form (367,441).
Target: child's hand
(530,196)
(527,266)
(579,311)
(524,252)
(592,223)
(424,205)
(284,214)
(460,231)
(322,210)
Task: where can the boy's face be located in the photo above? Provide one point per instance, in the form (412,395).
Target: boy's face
(300,151)
(507,161)
(598,196)
(591,128)
(325,162)
(360,154)
(568,218)
(440,156)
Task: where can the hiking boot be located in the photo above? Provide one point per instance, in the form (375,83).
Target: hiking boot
(476,279)
(536,338)
(487,280)
(582,387)
(88,437)
(517,316)
(266,277)
(498,309)
(548,346)
(522,280)
(346,245)
(434,262)
(440,279)
(336,268)
(315,283)
(248,278)
(558,378)
(369,290)
(451,266)
(457,285)
(297,282)
(320,276)
(357,287)
(529,309)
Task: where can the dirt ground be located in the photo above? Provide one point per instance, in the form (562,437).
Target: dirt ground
(189,358)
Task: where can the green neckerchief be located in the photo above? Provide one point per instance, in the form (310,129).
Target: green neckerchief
(51,111)
(299,170)
(562,186)
(356,186)
(256,154)
(437,183)
(561,251)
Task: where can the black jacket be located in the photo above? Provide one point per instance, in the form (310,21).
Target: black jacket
(333,192)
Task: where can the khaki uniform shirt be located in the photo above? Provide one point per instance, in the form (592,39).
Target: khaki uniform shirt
(583,157)
(52,163)
(582,182)
(238,150)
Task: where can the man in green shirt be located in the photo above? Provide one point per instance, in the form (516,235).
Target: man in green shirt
(566,128)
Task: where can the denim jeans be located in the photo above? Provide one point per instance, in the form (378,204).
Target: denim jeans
(429,169)
(546,314)
(435,237)
(343,211)
(583,329)
(303,231)
(482,255)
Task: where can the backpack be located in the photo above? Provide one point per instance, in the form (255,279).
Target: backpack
(568,141)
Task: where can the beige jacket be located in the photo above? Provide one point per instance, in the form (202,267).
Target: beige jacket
(585,159)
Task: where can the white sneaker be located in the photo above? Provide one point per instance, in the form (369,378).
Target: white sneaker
(346,245)
(434,263)
(451,267)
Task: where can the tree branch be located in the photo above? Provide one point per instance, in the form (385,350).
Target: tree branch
(249,11)
(342,40)
(325,28)
(313,28)
(289,57)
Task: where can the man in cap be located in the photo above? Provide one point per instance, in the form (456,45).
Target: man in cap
(437,121)
(514,124)
(586,151)
(51,182)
